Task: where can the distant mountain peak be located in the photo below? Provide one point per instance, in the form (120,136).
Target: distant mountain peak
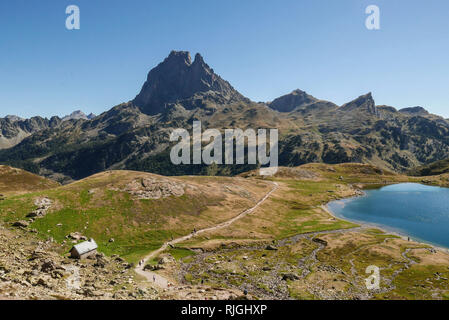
(364,102)
(177,79)
(78,114)
(291,101)
(13,118)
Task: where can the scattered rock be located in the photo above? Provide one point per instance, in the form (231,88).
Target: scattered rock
(76,236)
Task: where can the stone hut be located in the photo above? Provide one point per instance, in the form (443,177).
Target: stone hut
(84,249)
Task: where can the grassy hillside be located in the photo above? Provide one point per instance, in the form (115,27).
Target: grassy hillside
(110,207)
(14,180)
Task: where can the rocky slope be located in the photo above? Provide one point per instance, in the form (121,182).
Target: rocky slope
(135,135)
(31,268)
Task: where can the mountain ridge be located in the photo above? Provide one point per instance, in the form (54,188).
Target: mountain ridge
(135,135)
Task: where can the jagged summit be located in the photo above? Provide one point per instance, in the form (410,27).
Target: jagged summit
(291,101)
(362,103)
(177,78)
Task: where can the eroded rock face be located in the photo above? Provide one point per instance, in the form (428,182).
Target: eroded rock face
(149,188)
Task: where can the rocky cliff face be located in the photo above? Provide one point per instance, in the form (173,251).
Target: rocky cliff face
(177,79)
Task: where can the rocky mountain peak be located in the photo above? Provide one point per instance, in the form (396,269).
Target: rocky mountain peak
(199,59)
(362,103)
(416,111)
(177,79)
(178,58)
(291,101)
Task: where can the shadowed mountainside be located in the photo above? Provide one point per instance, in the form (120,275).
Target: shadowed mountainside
(433,169)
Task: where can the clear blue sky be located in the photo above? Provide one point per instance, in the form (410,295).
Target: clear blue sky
(264,48)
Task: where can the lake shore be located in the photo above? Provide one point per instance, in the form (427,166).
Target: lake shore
(384,228)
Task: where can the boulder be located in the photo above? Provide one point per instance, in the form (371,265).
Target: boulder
(289,276)
(21,224)
(32,214)
(48,266)
(320,241)
(164,260)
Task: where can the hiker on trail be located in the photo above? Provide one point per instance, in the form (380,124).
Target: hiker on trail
(245,292)
(154,278)
(194,230)
(202,281)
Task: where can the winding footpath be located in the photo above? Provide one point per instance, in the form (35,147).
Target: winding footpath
(163,282)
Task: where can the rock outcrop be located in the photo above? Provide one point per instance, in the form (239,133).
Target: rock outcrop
(148,188)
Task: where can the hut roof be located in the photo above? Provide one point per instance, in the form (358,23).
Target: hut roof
(86,246)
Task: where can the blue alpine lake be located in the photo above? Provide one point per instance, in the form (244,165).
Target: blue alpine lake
(419,211)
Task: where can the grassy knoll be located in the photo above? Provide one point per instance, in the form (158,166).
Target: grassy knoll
(100,208)
(13,181)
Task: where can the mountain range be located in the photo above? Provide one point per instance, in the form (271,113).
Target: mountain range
(135,134)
